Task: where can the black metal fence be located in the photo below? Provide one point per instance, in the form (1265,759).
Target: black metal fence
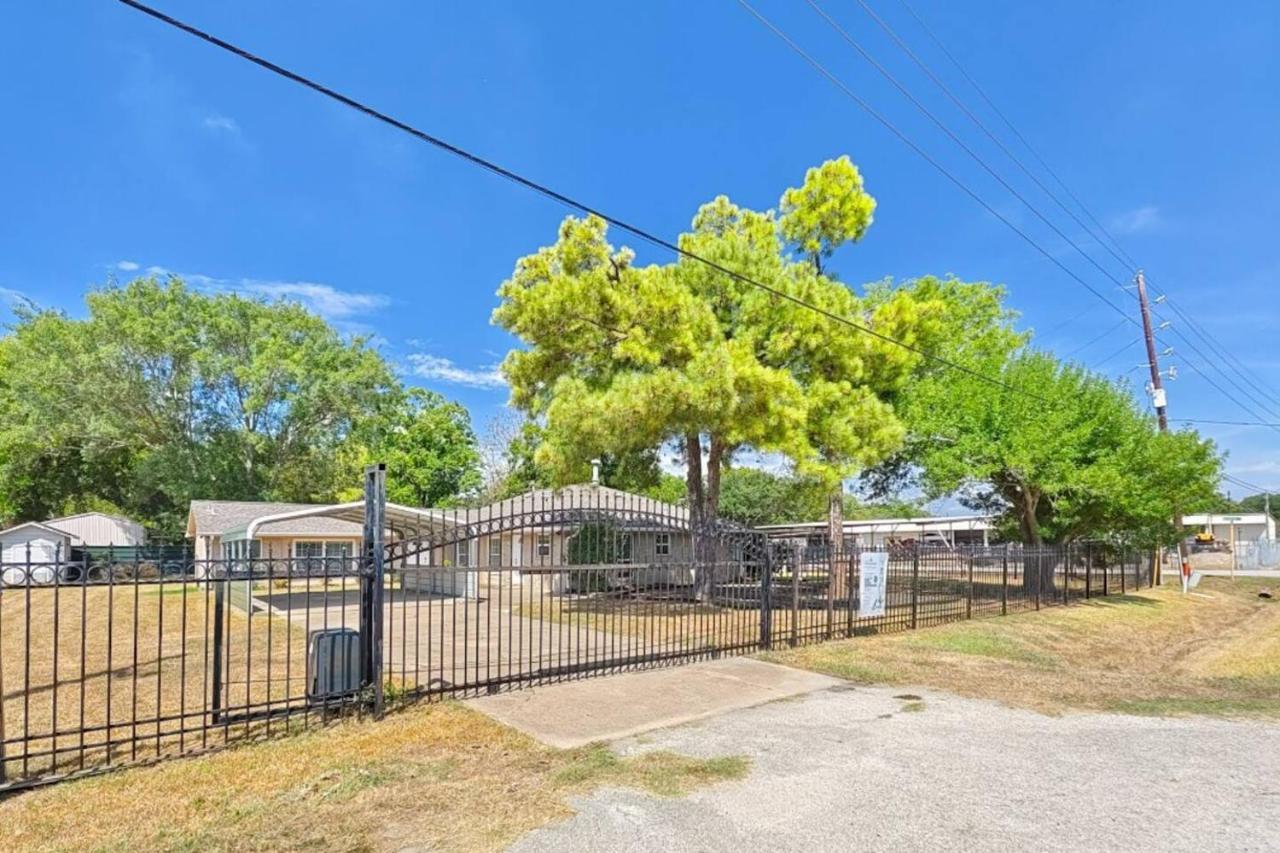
(106,662)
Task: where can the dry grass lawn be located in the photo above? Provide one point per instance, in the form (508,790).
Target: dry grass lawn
(83,657)
(435,776)
(1216,651)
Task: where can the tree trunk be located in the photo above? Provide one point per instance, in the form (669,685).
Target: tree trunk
(1037,567)
(693,477)
(715,462)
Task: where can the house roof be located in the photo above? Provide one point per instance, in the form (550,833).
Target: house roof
(40,525)
(111,516)
(252,519)
(583,496)
(217,518)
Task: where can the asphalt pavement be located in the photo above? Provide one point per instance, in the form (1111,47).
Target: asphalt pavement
(849,768)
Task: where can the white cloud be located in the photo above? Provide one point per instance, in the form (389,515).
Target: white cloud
(324,299)
(1137,221)
(9,296)
(335,305)
(220,123)
(442,369)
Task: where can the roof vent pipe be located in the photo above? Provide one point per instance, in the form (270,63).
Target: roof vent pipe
(595,472)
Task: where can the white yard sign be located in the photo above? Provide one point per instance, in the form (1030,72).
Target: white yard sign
(873,580)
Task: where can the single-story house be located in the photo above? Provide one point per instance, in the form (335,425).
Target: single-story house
(218,531)
(540,530)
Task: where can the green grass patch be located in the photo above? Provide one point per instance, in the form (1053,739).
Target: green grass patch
(835,661)
(663,773)
(913,707)
(980,641)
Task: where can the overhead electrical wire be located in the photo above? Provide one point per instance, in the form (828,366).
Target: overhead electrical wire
(1118,252)
(928,158)
(557,196)
(1110,244)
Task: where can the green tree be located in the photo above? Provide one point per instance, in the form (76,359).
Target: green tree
(753,497)
(621,358)
(829,209)
(430,450)
(1078,459)
(163,394)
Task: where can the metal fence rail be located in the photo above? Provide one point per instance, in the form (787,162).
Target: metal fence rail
(106,663)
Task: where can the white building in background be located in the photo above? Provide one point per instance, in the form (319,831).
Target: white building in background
(53,539)
(100,530)
(27,548)
(1232,526)
(946,531)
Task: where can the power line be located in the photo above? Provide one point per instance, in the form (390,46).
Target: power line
(1246,484)
(1243,389)
(1225,393)
(946,90)
(1093,341)
(1221,351)
(554,195)
(906,140)
(1224,423)
(1118,252)
(1009,124)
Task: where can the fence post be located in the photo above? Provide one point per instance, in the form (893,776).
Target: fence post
(855,555)
(795,596)
(375,508)
(1124,559)
(1066,575)
(1039,573)
(219,606)
(1004,582)
(766,598)
(1088,570)
(915,584)
(968,609)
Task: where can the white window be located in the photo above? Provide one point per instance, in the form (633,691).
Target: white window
(338,550)
(495,551)
(662,544)
(544,544)
(308,556)
(462,553)
(624,548)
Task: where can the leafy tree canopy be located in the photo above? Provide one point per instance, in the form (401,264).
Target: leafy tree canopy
(163,394)
(1080,461)
(622,358)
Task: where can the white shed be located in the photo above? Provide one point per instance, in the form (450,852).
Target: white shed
(99,529)
(32,544)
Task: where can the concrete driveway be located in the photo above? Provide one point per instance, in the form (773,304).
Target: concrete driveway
(849,769)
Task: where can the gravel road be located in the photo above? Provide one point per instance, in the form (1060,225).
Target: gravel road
(849,769)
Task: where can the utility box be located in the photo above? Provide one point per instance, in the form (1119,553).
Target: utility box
(333,664)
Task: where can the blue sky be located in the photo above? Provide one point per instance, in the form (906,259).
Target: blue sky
(130,146)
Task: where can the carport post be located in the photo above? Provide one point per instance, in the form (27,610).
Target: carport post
(371,580)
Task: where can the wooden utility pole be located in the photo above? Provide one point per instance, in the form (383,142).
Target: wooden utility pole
(1160,401)
(1157,384)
